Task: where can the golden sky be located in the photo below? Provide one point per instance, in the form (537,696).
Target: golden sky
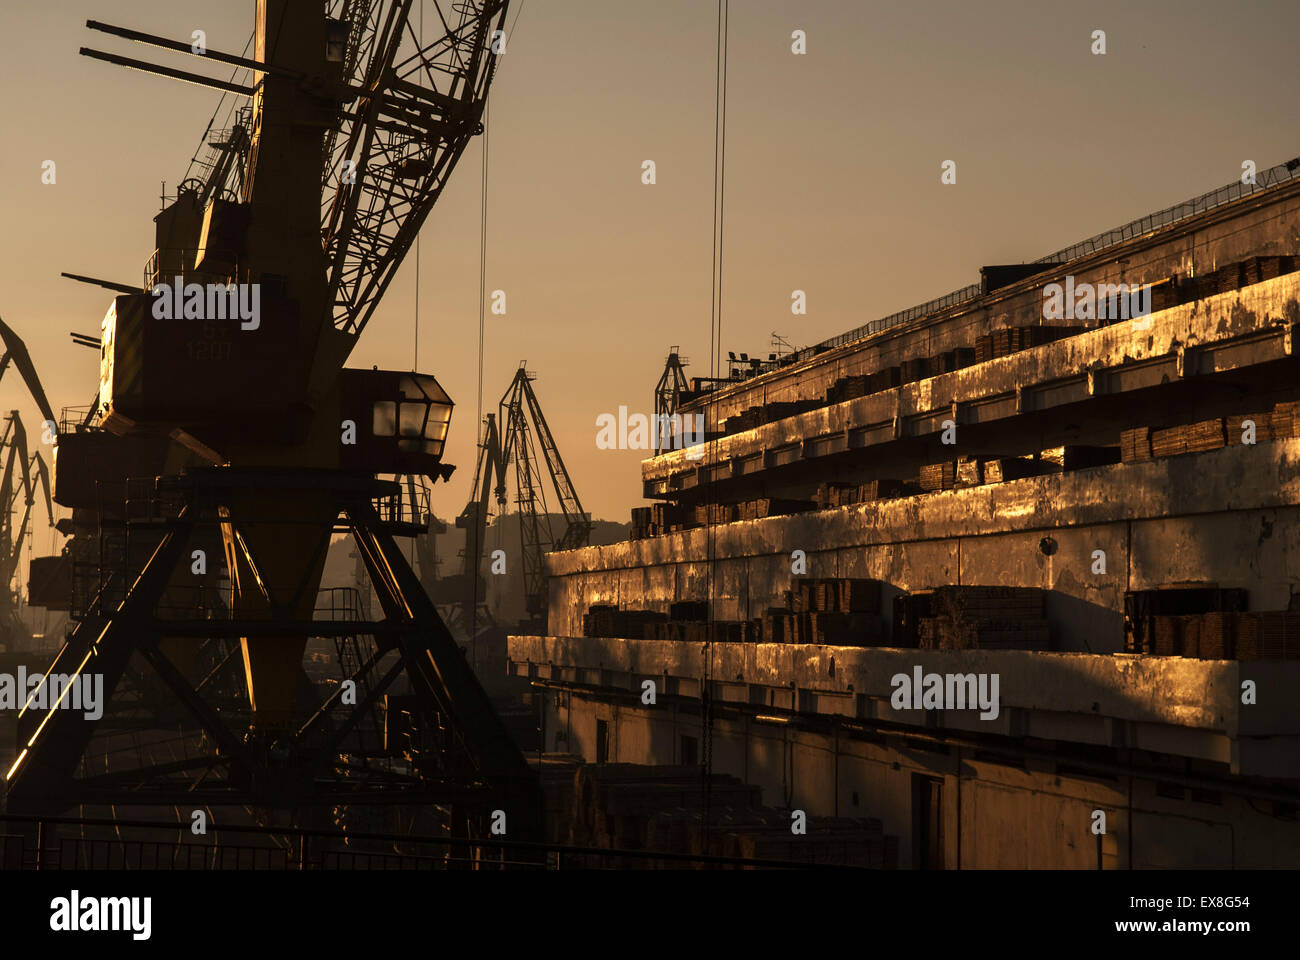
(833,177)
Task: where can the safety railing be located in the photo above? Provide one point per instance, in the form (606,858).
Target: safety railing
(1272,177)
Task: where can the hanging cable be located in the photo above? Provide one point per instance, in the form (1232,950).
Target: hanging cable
(715,358)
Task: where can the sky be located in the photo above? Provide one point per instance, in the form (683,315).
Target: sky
(832,178)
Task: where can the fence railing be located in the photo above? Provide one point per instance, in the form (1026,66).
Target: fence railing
(44,844)
(1272,177)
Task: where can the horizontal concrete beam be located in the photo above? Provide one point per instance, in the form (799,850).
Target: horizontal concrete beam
(1237,478)
(1229,331)
(1170,704)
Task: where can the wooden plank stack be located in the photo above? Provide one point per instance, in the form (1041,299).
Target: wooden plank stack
(770,507)
(642,519)
(1235,427)
(1188,438)
(885,379)
(841,612)
(1259,269)
(1264,635)
(847,388)
(970,473)
(916,369)
(1135,444)
(756,416)
(1268,635)
(1229,277)
(938,476)
(1286,419)
(831,495)
(1144,443)
(951,360)
(976,618)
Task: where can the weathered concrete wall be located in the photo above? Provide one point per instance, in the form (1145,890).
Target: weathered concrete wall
(1219,334)
(1186,707)
(1227,516)
(996,815)
(1255,226)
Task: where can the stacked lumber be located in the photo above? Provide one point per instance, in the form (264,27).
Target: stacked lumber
(770,507)
(916,369)
(1135,444)
(664,518)
(659,519)
(702,631)
(885,379)
(1286,419)
(1259,269)
(714,514)
(833,595)
(1264,635)
(847,388)
(642,521)
(604,620)
(970,473)
(757,416)
(1269,635)
(1188,438)
(832,495)
(1144,443)
(1196,288)
(1155,621)
(938,476)
(1236,427)
(973,618)
(838,612)
(1164,294)
(951,360)
(1229,277)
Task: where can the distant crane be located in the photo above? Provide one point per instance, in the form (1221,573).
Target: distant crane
(14,444)
(508,436)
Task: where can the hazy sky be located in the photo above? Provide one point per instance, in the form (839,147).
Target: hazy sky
(833,177)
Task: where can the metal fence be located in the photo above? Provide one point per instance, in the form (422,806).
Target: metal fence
(43,843)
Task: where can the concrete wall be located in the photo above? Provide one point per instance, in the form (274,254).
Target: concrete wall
(1227,516)
(997,814)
